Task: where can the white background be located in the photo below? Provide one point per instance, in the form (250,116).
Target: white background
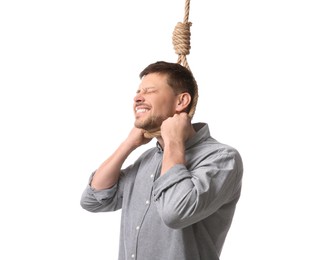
(68,73)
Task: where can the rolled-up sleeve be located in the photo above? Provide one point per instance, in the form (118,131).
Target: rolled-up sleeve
(175,175)
(184,196)
(100,200)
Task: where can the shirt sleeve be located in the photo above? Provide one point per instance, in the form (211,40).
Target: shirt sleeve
(185,196)
(101,200)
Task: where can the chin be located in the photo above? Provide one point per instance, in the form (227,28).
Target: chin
(149,123)
(147,126)
(141,125)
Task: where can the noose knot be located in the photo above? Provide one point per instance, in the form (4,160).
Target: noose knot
(181,38)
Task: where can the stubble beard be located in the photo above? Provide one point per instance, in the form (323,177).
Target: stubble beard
(152,123)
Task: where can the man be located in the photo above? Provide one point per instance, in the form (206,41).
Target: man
(178,198)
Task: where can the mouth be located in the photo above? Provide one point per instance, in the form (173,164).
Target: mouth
(141,109)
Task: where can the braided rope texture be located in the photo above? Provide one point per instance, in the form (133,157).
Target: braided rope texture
(181,39)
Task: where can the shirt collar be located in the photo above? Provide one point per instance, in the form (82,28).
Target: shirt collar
(202,133)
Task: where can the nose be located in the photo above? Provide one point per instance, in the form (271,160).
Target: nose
(138,98)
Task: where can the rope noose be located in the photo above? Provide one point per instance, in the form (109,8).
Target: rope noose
(181,40)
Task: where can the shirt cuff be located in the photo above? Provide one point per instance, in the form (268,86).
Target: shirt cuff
(174,175)
(100,195)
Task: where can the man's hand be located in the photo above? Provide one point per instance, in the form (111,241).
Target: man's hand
(177,128)
(136,138)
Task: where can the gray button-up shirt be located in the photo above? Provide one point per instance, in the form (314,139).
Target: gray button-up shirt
(184,214)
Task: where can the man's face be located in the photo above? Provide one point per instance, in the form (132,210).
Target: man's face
(154,102)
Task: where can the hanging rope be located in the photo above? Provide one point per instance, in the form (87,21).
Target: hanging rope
(181,40)
(181,37)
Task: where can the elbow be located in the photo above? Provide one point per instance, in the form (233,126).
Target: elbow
(85,206)
(176,218)
(172,220)
(90,207)
(178,213)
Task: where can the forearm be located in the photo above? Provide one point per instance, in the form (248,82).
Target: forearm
(174,153)
(109,171)
(185,195)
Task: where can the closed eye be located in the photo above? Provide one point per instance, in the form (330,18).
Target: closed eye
(146,90)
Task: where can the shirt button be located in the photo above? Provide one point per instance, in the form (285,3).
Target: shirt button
(147,202)
(138,227)
(151,176)
(133,256)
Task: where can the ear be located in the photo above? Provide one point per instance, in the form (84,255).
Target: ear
(183,100)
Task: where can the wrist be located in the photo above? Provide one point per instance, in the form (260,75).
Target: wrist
(175,150)
(174,145)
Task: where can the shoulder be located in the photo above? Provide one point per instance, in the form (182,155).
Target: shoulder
(211,151)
